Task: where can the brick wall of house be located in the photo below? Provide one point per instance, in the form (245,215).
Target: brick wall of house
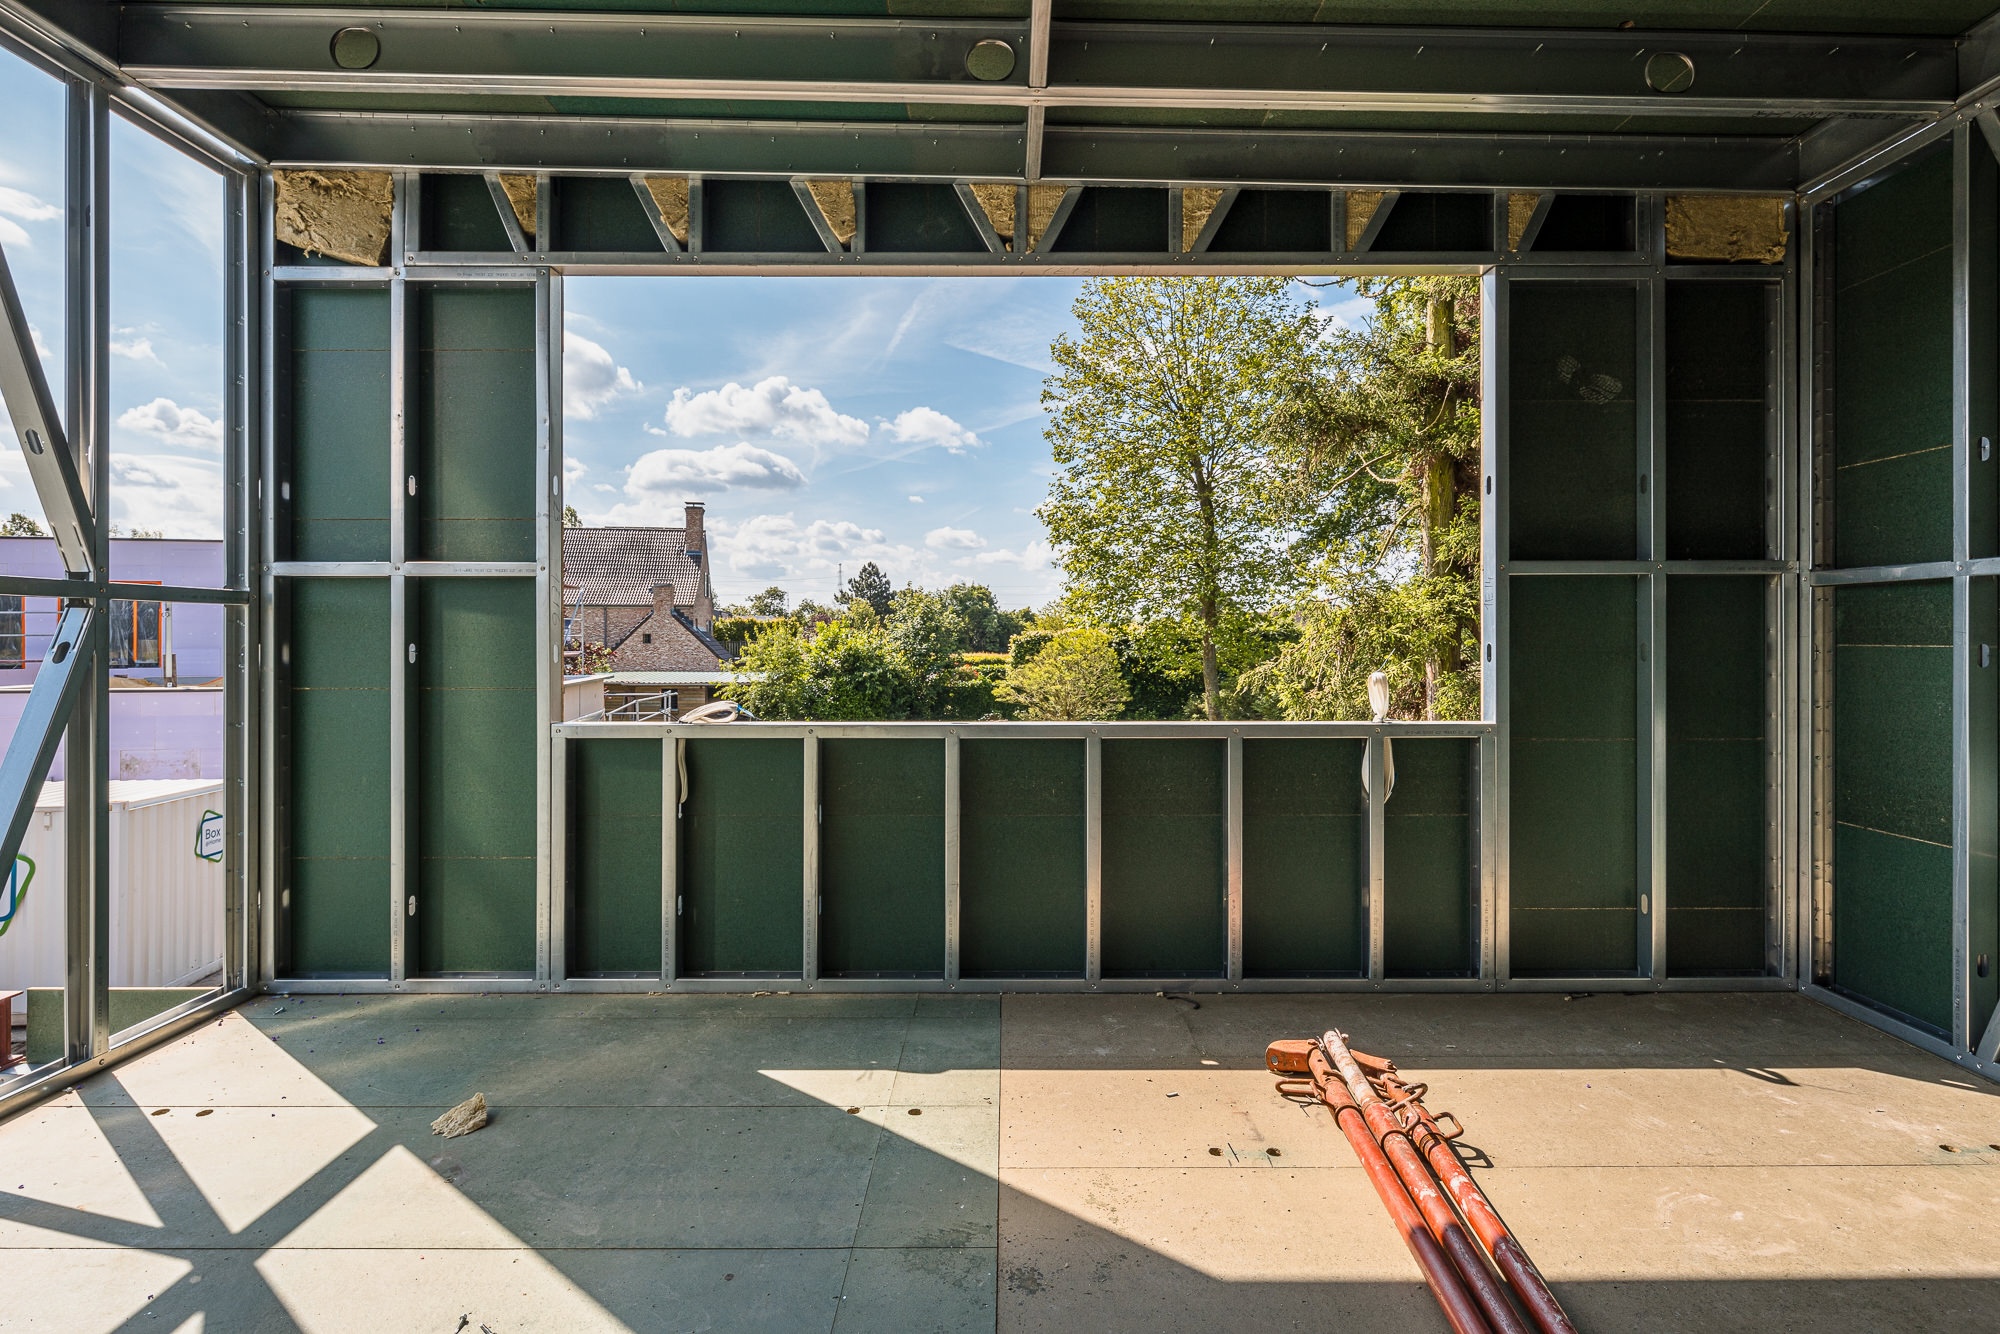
(663,644)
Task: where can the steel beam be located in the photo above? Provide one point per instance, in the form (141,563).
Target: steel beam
(52,465)
(65,670)
(1271,67)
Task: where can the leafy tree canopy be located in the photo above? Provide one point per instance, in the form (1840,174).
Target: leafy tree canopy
(871,586)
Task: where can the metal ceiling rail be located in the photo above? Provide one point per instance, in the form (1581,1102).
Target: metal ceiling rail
(361,50)
(620,145)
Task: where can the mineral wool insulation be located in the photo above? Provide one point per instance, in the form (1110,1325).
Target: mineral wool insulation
(341,214)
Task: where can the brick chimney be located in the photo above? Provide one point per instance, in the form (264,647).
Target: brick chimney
(663,603)
(697,537)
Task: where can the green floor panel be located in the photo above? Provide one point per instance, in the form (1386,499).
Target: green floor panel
(742,857)
(1430,858)
(1892,797)
(1305,876)
(881,859)
(477,479)
(1022,875)
(1720,875)
(336,738)
(1573,421)
(614,923)
(1719,469)
(1892,377)
(335,417)
(1164,913)
(475,726)
(1573,773)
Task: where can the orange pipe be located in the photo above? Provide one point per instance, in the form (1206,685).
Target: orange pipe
(1430,1201)
(1458,1305)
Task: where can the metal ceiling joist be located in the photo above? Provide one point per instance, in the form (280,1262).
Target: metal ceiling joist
(994,152)
(485,52)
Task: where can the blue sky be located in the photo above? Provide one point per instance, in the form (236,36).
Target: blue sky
(166,307)
(825,421)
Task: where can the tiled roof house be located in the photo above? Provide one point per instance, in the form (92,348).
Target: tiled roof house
(644,593)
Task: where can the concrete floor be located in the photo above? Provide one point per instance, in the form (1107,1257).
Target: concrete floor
(876,1163)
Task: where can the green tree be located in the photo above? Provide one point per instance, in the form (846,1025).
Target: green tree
(1168,501)
(988,628)
(1074,677)
(928,634)
(20,525)
(1382,440)
(771,602)
(570,519)
(870,586)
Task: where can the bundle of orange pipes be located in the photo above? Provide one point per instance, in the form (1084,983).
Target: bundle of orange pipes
(1483,1280)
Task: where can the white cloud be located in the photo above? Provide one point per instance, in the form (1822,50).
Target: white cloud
(41,343)
(167,493)
(778,546)
(953,539)
(1034,556)
(928,426)
(574,470)
(26,207)
(916,500)
(168,422)
(773,407)
(135,349)
(739,465)
(592,379)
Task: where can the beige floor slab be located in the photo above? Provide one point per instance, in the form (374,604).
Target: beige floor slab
(68,1288)
(423,1292)
(56,1154)
(1189,1118)
(1754,1224)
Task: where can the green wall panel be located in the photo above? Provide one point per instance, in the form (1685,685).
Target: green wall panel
(912,217)
(1719,872)
(477,481)
(1719,462)
(475,729)
(742,857)
(881,860)
(1304,874)
(1892,762)
(1023,887)
(614,924)
(459,214)
(338,696)
(1163,839)
(1892,369)
(601,213)
(1573,756)
(1573,421)
(338,406)
(1430,849)
(1115,220)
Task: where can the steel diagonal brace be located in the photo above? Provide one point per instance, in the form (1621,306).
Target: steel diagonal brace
(63,673)
(50,463)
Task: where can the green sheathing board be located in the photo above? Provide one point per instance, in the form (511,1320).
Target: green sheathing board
(1304,873)
(1276,221)
(338,761)
(742,857)
(1434,222)
(338,408)
(614,838)
(746,217)
(475,794)
(601,213)
(477,480)
(1430,847)
(1573,423)
(1163,842)
(1892,369)
(1719,872)
(1892,797)
(1983,793)
(1573,762)
(459,214)
(881,857)
(1114,220)
(1023,891)
(912,217)
(1719,472)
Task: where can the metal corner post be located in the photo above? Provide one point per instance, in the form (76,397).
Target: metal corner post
(1233,788)
(809,862)
(953,848)
(671,797)
(1652,722)
(1375,779)
(551,888)
(1093,858)
(1493,540)
(403,883)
